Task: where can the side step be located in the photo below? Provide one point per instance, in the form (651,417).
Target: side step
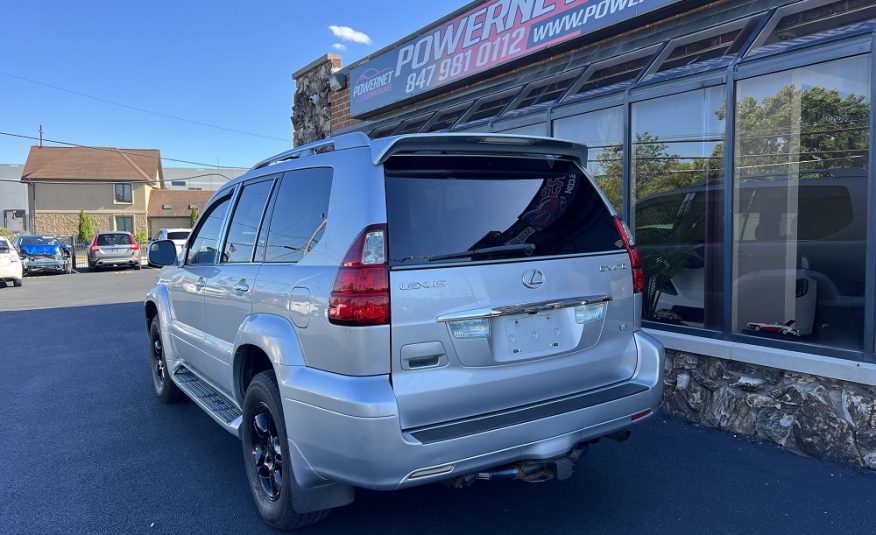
(218,406)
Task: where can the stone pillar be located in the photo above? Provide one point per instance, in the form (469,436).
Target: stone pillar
(311,109)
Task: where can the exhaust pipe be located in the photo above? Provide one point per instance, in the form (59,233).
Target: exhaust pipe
(620,436)
(559,468)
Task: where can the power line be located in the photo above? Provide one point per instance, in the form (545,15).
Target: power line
(119,151)
(142,110)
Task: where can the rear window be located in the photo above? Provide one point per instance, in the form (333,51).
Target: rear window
(114,239)
(178,235)
(39,240)
(464,209)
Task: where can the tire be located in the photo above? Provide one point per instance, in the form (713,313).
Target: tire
(756,328)
(17,283)
(263,424)
(68,268)
(165,388)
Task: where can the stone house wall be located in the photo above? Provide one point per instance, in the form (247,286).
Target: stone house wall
(64,224)
(825,418)
(311,111)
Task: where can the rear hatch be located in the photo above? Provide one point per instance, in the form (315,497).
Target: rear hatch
(510,284)
(114,245)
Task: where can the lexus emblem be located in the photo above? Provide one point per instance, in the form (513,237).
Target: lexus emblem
(533,278)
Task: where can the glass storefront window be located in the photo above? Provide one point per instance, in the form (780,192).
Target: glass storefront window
(678,148)
(603,133)
(800,203)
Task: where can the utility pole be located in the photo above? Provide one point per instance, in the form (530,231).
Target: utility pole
(41,134)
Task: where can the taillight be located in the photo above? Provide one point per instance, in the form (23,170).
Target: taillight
(94,248)
(134,245)
(360,295)
(633,251)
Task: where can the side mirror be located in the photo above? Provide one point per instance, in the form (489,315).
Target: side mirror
(162,253)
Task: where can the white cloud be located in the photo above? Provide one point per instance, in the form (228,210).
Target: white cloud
(339,46)
(345,33)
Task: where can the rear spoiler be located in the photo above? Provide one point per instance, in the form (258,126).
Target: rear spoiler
(507,144)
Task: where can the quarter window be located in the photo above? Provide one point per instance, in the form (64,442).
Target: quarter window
(299,216)
(123,193)
(206,238)
(244,226)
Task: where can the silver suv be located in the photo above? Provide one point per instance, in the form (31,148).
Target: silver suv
(393,312)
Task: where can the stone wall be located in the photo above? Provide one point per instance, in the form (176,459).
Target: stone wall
(825,418)
(64,224)
(311,109)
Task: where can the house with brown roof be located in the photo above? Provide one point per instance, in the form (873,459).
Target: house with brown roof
(112,185)
(173,208)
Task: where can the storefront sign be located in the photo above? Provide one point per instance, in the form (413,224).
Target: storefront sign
(484,37)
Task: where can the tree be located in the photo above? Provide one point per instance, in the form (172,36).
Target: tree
(801,130)
(86,227)
(194,216)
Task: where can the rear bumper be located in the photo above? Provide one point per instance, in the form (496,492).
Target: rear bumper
(34,265)
(346,429)
(113,260)
(11,272)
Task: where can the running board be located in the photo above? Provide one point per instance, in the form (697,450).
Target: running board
(219,407)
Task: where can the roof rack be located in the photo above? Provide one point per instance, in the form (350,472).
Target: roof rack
(344,141)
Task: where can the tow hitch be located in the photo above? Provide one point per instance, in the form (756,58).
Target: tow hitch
(559,468)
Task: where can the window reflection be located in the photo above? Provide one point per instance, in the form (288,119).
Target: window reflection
(800,190)
(603,133)
(677,177)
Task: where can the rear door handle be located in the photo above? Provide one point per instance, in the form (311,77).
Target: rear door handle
(200,283)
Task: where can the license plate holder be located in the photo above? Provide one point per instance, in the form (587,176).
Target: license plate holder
(533,333)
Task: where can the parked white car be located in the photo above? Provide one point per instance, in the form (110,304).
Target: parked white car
(10,263)
(178,236)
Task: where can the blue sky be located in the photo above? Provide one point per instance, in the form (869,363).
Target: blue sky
(220,62)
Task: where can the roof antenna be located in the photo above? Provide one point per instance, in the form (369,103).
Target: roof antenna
(41,135)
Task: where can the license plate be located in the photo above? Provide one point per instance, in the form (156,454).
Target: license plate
(530,334)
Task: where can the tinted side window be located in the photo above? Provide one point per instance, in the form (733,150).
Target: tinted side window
(206,239)
(244,226)
(299,215)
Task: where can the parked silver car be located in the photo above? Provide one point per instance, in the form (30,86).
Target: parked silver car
(393,312)
(114,249)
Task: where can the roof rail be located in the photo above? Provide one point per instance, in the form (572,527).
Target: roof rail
(344,141)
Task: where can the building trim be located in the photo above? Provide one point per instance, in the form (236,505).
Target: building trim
(795,361)
(109,211)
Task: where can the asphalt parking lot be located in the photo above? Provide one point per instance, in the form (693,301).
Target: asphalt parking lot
(86,447)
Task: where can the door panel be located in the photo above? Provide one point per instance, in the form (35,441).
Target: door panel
(188,284)
(187,311)
(227,303)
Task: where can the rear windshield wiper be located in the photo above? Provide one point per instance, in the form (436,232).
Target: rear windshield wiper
(525,248)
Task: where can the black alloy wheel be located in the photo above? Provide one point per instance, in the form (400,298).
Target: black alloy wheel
(267,453)
(266,456)
(165,389)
